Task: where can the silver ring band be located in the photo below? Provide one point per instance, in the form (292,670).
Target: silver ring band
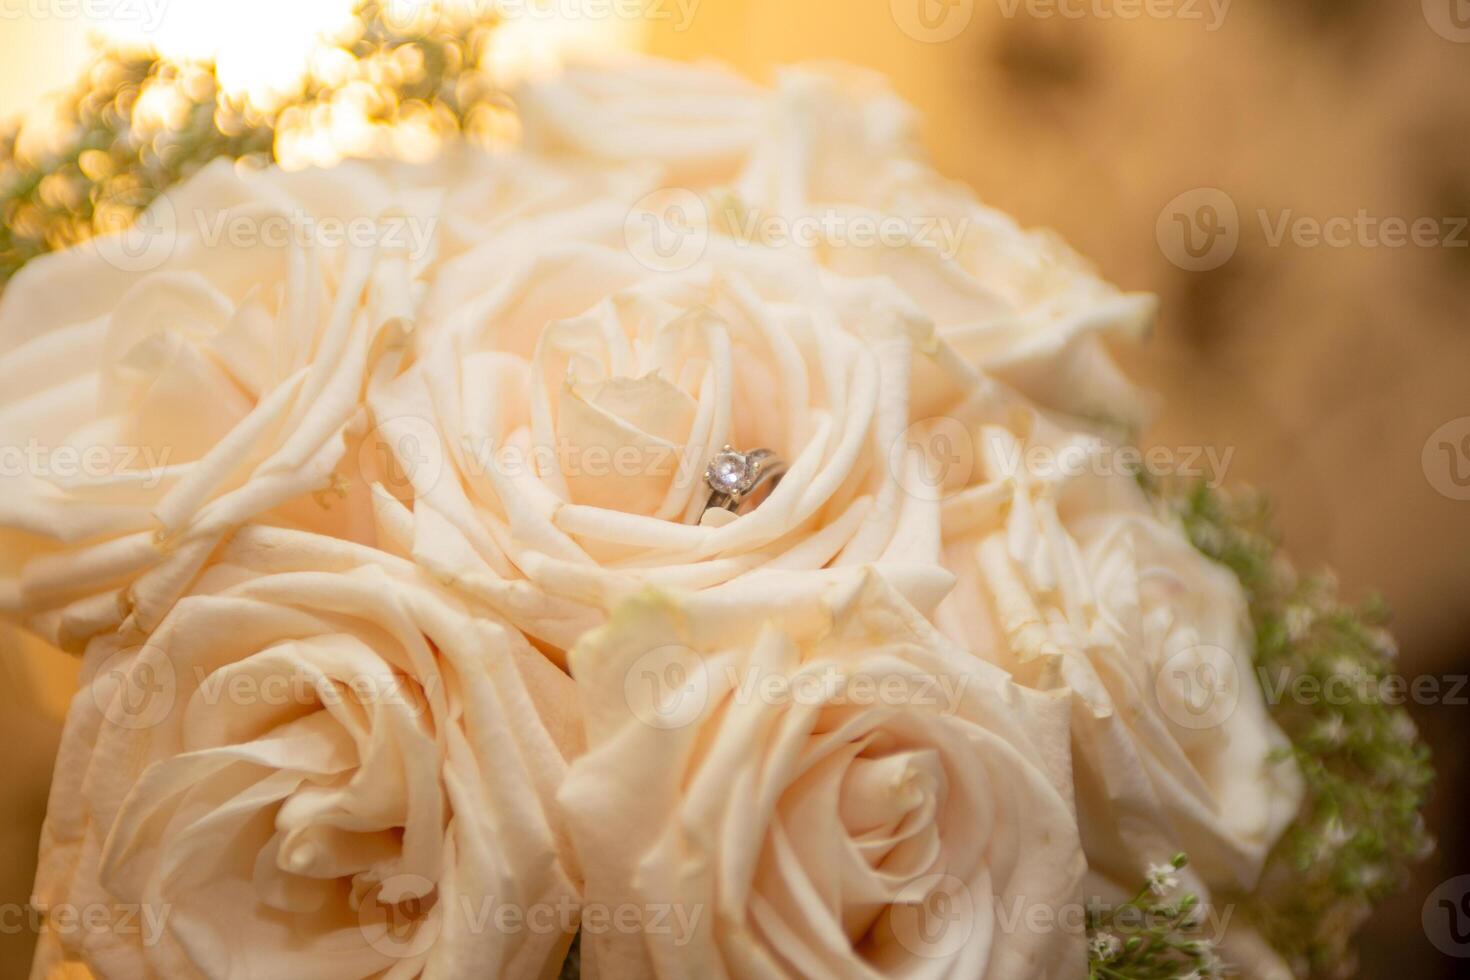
(736,478)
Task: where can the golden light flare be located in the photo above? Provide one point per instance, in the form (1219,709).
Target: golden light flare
(264,47)
(259,47)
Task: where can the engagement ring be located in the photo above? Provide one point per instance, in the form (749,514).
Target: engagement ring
(736,479)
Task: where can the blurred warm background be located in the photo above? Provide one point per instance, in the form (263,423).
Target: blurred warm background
(1328,367)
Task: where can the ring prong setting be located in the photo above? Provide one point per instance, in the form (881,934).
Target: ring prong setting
(732,472)
(739,481)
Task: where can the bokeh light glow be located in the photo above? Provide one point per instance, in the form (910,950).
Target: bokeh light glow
(262,47)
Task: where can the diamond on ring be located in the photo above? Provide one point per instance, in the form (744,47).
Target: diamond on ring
(732,476)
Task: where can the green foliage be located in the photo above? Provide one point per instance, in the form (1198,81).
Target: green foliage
(1367,773)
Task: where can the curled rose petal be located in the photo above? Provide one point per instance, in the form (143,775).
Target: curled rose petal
(165,405)
(554,432)
(319,764)
(831,790)
(828,163)
(1070,580)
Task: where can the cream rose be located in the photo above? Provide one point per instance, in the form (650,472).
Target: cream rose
(1020,304)
(207,368)
(519,199)
(792,772)
(830,158)
(696,121)
(827,790)
(554,431)
(1069,579)
(319,764)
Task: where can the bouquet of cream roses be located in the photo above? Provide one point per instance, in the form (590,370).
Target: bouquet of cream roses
(697,534)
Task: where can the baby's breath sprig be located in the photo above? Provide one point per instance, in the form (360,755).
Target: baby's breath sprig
(1367,773)
(1152,936)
